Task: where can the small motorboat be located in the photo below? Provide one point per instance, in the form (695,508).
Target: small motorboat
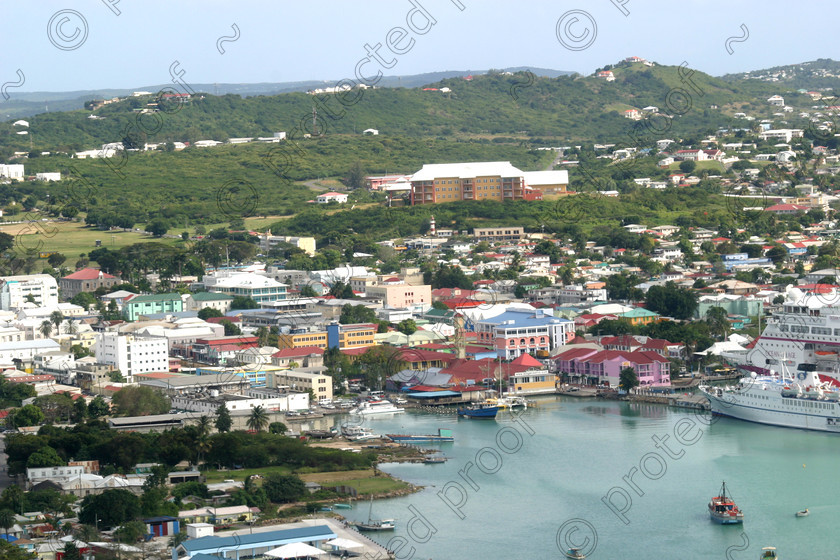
(575,554)
(769,553)
(803,513)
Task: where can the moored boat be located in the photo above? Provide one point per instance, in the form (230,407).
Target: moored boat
(802,401)
(574,554)
(479,410)
(722,509)
(375,524)
(357,433)
(769,553)
(803,513)
(369,408)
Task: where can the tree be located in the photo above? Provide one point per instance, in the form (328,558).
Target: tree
(56,260)
(208,312)
(110,508)
(407,327)
(687,166)
(308,291)
(258,419)
(80,410)
(9,551)
(79,351)
(140,401)
(130,532)
(671,300)
(283,488)
(355,176)
(71,552)
(7,520)
(84,300)
(98,407)
(45,457)
(29,415)
(718,320)
(223,419)
(56,318)
(230,328)
(56,407)
(628,379)
(116,376)
(157,227)
(13,498)
(277,428)
(244,302)
(71,327)
(45,328)
(777,254)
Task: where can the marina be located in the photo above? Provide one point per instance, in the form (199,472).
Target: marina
(558,481)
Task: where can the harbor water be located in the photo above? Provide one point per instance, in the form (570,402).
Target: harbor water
(615,479)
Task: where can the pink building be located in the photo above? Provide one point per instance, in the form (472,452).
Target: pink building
(376,183)
(524,331)
(604,366)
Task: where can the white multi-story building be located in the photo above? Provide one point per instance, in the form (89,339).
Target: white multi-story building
(12,171)
(59,475)
(15,290)
(246,284)
(132,354)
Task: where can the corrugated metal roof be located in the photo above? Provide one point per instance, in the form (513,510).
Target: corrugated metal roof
(269,538)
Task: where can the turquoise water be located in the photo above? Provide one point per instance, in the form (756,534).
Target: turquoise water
(529,484)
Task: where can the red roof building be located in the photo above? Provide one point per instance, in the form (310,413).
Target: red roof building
(86,280)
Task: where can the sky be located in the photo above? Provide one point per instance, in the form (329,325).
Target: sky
(72,45)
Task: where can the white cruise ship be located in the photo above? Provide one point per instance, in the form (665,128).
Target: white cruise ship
(801,401)
(368,408)
(806,330)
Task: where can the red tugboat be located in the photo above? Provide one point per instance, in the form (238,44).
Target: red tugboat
(723,510)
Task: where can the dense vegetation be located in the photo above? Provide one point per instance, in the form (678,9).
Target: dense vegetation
(212,185)
(120,451)
(567,108)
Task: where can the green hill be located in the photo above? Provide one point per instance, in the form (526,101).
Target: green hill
(562,109)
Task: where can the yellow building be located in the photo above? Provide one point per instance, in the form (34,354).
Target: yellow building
(357,335)
(552,184)
(448,182)
(321,385)
(532,381)
(299,340)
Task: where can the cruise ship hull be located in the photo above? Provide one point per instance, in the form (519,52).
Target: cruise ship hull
(782,414)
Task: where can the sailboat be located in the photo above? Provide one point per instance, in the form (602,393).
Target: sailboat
(375,524)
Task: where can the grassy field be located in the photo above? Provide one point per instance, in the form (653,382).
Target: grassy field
(711,165)
(363,481)
(75,238)
(242,474)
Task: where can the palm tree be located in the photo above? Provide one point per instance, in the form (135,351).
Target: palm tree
(45,328)
(258,419)
(56,318)
(72,328)
(7,520)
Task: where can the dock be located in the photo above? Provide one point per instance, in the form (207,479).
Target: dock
(677,400)
(577,391)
